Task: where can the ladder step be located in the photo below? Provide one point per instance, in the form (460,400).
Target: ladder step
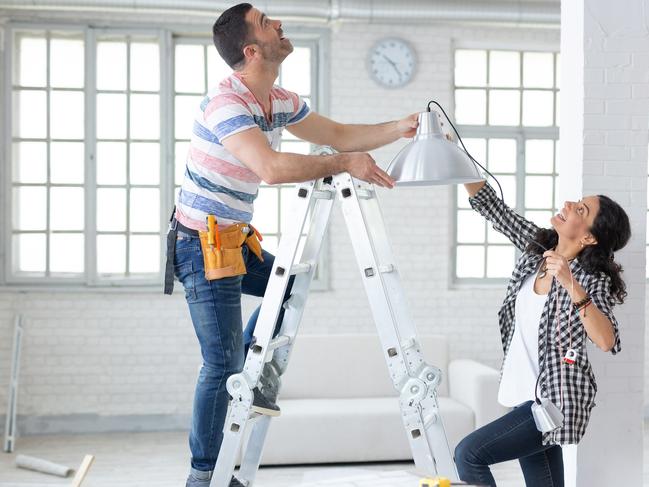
(279,342)
(365,194)
(302,268)
(323,195)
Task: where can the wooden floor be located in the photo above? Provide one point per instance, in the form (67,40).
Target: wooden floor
(161,460)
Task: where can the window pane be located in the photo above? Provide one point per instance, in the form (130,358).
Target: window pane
(504,69)
(145,210)
(111,209)
(500,261)
(145,163)
(111,116)
(470,68)
(477,148)
(495,237)
(30,208)
(217,69)
(287,208)
(538,70)
(66,208)
(144,254)
(266,211)
(66,162)
(541,218)
(111,163)
(145,117)
(508,184)
(30,114)
(29,251)
(111,254)
(538,191)
(470,261)
(470,227)
(470,107)
(504,107)
(190,69)
(185,113)
(32,65)
(539,156)
(537,108)
(502,155)
(462,198)
(270,244)
(111,65)
(558,70)
(30,162)
(296,147)
(557,115)
(66,253)
(296,71)
(66,116)
(145,66)
(181,161)
(66,63)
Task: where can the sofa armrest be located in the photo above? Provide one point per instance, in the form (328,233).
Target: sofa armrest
(476,385)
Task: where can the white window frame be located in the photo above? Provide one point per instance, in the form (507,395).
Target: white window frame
(316,37)
(518,132)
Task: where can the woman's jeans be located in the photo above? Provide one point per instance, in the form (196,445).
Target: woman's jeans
(512,436)
(215,308)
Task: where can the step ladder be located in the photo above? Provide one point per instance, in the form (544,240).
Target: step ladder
(244,432)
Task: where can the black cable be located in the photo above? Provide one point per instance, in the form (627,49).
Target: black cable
(502,197)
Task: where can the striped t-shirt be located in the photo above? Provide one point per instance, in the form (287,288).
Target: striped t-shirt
(215,181)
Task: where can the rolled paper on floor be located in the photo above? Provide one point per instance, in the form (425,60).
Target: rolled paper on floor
(43,466)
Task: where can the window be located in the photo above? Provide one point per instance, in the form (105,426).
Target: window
(506,109)
(93,121)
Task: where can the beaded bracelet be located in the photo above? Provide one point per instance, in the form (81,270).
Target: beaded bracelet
(581,302)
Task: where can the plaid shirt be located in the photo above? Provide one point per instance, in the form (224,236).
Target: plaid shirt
(579,386)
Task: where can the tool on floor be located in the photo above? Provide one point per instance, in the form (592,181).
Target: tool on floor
(82,471)
(42,466)
(12,402)
(268,357)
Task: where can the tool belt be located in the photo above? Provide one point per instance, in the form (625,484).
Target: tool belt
(221,249)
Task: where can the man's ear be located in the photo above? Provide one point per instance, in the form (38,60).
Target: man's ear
(249,51)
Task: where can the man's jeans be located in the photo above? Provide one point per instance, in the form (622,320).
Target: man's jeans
(215,308)
(512,436)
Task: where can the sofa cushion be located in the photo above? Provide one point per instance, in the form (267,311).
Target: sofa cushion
(351,430)
(348,366)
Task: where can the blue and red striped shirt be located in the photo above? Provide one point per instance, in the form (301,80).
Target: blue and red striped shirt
(215,181)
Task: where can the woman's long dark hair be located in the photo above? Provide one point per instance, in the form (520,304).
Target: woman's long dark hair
(612,231)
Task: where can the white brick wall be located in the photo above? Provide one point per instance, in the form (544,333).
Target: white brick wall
(609,53)
(135,353)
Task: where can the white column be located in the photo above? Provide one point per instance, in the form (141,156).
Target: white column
(604,126)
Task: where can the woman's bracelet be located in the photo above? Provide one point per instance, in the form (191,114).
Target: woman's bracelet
(582,302)
(588,303)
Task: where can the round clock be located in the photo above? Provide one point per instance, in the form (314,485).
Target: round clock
(392,62)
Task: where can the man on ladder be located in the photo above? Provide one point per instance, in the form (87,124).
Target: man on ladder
(211,247)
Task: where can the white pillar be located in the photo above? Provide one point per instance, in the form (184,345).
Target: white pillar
(604,127)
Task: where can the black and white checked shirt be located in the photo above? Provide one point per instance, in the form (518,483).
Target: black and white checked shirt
(579,386)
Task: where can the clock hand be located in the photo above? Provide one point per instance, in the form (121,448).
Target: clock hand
(394,65)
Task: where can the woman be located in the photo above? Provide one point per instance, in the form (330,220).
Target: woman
(561,292)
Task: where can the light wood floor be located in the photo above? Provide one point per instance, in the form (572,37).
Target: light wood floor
(161,460)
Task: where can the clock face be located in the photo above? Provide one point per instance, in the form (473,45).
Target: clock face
(392,62)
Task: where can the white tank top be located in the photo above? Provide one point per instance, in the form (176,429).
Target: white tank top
(521,367)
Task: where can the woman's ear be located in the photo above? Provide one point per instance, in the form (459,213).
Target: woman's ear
(588,239)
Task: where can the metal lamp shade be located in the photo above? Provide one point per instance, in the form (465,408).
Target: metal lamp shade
(431,159)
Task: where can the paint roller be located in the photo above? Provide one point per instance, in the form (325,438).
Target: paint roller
(43,466)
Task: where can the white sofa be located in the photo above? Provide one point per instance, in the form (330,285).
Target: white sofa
(338,403)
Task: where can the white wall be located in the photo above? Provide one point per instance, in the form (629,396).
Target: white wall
(132,356)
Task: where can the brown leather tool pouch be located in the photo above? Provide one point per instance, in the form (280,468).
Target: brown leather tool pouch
(225,260)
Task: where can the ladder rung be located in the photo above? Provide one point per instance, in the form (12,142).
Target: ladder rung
(302,268)
(365,194)
(278,342)
(386,268)
(323,195)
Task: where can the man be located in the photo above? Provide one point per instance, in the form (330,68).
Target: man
(233,148)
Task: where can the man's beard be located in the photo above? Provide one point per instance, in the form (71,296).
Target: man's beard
(273,53)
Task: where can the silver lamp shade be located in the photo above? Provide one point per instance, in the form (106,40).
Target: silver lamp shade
(432,159)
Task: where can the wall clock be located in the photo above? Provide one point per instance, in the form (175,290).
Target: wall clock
(392,62)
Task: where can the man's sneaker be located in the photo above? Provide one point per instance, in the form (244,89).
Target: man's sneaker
(203,479)
(262,405)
